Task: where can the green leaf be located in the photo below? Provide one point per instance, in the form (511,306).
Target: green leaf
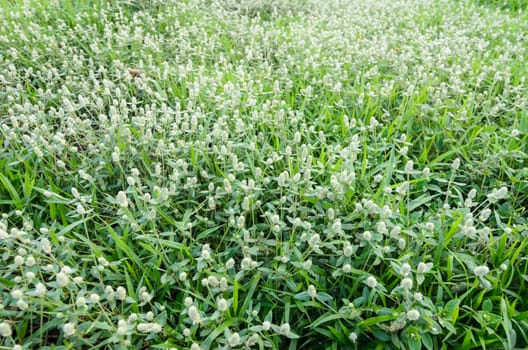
(415,344)
(12,191)
(487,305)
(375,320)
(427,341)
(511,335)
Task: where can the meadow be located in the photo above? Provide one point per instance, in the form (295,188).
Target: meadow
(264,174)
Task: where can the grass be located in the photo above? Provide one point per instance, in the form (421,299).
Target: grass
(263,174)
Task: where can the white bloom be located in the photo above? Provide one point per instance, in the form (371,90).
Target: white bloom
(245,264)
(40,289)
(121,293)
(222,305)
(372,282)
(69,329)
(266,325)
(149,328)
(230,263)
(122,199)
(122,327)
(424,267)
(456,164)
(405,269)
(409,167)
(426,172)
(30,261)
(22,304)
(234,340)
(347,250)
(145,296)
(252,340)
(188,301)
(62,279)
(95,298)
(347,268)
(131,181)
(481,271)
(17,294)
(407,283)
(81,301)
(132,318)
(182,276)
(353,337)
(284,329)
(213,281)
(312,292)
(5,329)
(413,315)
(193,313)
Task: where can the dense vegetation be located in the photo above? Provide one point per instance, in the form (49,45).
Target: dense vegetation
(282,174)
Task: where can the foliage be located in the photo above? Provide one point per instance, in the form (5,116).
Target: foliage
(223,174)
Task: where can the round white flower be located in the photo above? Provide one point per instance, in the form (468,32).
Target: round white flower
(312,292)
(481,271)
(407,283)
(424,267)
(353,337)
(234,340)
(121,293)
(62,279)
(69,329)
(284,329)
(405,269)
(5,329)
(193,313)
(413,315)
(222,305)
(372,282)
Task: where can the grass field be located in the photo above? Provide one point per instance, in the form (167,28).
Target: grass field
(264,174)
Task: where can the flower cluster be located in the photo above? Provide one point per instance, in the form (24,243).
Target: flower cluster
(240,174)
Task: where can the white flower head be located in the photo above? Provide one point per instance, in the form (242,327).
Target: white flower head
(424,267)
(233,340)
(413,315)
(222,305)
(122,199)
(284,329)
(69,329)
(5,329)
(372,282)
(62,279)
(407,283)
(149,327)
(405,269)
(193,314)
(312,292)
(481,271)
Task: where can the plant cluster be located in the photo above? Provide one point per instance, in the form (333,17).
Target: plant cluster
(220,174)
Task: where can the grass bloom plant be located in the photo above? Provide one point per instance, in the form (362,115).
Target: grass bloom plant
(221,174)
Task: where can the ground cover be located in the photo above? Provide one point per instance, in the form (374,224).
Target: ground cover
(221,174)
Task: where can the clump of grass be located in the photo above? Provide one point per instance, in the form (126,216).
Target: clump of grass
(200,175)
